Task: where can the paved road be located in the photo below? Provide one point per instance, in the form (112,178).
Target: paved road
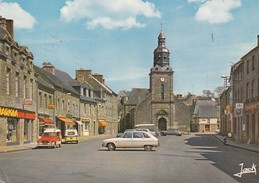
(189,158)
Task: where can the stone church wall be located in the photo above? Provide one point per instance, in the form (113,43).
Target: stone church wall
(182,115)
(143,112)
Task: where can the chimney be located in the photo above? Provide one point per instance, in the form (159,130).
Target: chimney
(258,40)
(9,27)
(99,77)
(7,24)
(2,22)
(83,74)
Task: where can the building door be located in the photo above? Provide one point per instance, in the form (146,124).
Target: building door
(207,128)
(162,124)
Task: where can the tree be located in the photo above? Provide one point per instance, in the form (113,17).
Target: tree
(208,93)
(219,90)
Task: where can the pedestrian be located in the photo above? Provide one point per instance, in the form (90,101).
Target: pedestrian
(225,140)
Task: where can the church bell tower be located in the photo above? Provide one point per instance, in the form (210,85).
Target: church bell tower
(161,86)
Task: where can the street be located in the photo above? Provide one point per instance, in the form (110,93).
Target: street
(189,158)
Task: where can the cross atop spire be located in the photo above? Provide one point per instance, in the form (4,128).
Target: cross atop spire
(161,26)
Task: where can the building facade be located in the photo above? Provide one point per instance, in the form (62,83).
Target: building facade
(244,98)
(107,108)
(206,115)
(18,117)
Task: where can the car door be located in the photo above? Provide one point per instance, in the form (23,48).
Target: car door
(138,139)
(125,140)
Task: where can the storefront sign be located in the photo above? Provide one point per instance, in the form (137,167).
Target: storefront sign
(51,106)
(26,115)
(8,112)
(252,107)
(27,102)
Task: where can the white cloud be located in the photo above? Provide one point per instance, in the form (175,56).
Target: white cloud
(109,14)
(196,1)
(216,11)
(21,18)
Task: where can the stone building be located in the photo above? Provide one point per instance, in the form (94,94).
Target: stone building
(244,97)
(107,109)
(18,119)
(64,104)
(157,105)
(205,117)
(45,93)
(225,112)
(87,121)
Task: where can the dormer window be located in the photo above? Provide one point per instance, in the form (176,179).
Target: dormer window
(7,49)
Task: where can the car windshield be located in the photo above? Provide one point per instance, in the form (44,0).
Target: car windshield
(71,133)
(49,134)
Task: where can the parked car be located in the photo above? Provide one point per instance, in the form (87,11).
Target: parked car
(121,134)
(147,130)
(71,135)
(51,137)
(150,127)
(171,132)
(132,139)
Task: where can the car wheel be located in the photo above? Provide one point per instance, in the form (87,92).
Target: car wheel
(111,147)
(162,134)
(148,147)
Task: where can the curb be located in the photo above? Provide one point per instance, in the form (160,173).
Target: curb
(236,146)
(7,149)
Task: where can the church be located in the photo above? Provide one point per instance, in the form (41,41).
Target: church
(157,105)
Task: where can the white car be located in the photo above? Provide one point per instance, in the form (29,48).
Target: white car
(132,139)
(147,130)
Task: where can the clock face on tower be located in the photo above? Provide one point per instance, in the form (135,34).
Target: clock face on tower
(162,79)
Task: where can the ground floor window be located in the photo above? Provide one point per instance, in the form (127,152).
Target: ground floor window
(12,132)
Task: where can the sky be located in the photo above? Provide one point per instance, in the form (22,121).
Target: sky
(116,38)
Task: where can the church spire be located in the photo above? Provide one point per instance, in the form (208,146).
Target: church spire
(161,53)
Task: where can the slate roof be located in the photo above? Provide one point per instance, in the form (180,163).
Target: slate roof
(137,95)
(52,79)
(207,109)
(74,83)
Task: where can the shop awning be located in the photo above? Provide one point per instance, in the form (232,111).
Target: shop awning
(66,120)
(46,121)
(102,123)
(79,122)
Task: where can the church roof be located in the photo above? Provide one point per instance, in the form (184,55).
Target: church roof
(137,95)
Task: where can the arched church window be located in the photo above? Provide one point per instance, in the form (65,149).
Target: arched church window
(162,91)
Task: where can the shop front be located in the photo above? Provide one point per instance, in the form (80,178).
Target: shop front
(17,126)
(101,126)
(44,123)
(64,123)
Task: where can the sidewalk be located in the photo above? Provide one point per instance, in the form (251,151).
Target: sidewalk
(13,148)
(230,142)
